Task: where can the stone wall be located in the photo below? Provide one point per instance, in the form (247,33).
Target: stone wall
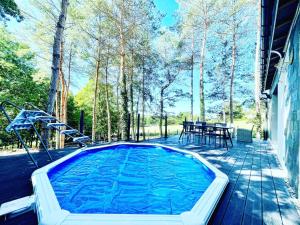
(288,121)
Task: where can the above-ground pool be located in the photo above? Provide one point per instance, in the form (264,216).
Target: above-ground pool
(132,184)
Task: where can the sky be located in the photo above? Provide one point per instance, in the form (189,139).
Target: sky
(167,7)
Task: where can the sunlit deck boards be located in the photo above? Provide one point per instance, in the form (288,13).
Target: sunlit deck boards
(256,194)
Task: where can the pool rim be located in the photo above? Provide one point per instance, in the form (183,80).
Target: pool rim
(50,214)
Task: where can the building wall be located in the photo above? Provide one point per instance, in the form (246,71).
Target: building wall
(284,111)
(274,118)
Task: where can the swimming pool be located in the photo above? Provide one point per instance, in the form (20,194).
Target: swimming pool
(134,184)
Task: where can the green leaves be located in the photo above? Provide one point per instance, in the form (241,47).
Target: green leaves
(9,8)
(17,71)
(16,79)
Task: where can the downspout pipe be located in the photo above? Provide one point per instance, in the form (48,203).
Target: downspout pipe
(278,53)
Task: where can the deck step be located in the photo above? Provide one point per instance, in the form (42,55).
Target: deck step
(81,139)
(42,118)
(56,125)
(17,206)
(22,126)
(69,131)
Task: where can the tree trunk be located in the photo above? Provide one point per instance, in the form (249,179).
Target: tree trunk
(60,26)
(62,93)
(232,70)
(143,100)
(257,72)
(107,103)
(202,58)
(118,106)
(68,82)
(161,116)
(224,112)
(95,101)
(257,60)
(57,104)
(124,97)
(131,97)
(192,81)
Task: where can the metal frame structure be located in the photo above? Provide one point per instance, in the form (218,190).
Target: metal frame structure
(28,118)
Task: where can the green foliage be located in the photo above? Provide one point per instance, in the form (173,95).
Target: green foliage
(16,79)
(172,119)
(84,101)
(73,112)
(102,117)
(9,8)
(16,73)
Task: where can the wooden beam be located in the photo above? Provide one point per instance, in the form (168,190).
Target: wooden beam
(283,24)
(280,38)
(287,3)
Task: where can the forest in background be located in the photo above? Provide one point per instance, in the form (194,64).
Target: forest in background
(133,64)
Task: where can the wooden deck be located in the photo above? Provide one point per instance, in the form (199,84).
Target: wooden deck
(257,192)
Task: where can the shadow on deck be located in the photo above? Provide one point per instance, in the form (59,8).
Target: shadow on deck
(257,192)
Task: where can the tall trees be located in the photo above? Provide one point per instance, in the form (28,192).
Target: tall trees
(169,72)
(202,13)
(119,47)
(238,14)
(221,25)
(187,31)
(123,79)
(233,59)
(219,78)
(57,54)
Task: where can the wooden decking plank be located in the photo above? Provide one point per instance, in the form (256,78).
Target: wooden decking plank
(222,162)
(288,211)
(233,178)
(235,208)
(253,206)
(271,211)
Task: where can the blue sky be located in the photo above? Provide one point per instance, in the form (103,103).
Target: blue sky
(167,7)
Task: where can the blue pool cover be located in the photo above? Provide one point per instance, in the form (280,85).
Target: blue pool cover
(128,179)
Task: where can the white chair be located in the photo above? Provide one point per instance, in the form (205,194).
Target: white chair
(244,135)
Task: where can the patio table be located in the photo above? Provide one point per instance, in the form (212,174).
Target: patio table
(224,129)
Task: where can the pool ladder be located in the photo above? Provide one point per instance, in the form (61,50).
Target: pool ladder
(26,119)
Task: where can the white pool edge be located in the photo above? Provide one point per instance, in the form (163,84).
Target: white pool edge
(52,214)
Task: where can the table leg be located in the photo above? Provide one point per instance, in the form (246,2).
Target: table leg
(224,138)
(229,137)
(181,134)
